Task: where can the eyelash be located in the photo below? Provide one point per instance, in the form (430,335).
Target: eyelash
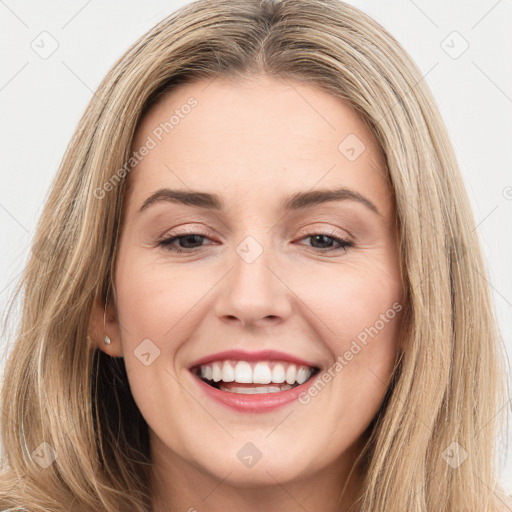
(166,243)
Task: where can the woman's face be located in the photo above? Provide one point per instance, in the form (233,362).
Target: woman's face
(259,246)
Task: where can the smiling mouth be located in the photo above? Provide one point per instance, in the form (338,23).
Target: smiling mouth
(249,378)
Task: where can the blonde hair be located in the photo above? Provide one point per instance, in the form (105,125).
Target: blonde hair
(450,382)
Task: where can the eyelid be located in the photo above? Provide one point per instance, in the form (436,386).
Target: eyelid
(188,230)
(303,232)
(344,243)
(331,231)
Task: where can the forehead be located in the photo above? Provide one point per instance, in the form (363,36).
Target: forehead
(254,137)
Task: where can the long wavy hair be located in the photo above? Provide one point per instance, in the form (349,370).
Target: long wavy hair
(72,434)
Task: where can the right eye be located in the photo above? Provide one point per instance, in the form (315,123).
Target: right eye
(186,242)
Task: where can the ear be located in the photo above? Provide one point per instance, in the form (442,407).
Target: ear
(104,323)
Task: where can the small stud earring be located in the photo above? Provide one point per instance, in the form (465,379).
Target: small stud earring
(106,339)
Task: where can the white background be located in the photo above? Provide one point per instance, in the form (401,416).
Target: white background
(41,101)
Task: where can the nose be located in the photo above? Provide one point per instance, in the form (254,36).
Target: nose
(253,293)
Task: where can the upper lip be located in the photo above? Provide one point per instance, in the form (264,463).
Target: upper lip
(260,355)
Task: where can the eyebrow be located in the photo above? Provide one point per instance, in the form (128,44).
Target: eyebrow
(297,201)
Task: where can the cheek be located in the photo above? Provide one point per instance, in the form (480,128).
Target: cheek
(158,302)
(360,300)
(360,318)
(338,305)
(357,314)
(343,302)
(155,306)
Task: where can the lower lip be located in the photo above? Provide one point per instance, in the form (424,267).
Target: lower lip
(260,402)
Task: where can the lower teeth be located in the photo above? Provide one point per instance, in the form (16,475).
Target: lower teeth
(254,390)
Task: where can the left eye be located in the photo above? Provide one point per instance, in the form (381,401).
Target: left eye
(322,239)
(191,241)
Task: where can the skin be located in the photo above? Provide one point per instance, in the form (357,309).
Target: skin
(254,143)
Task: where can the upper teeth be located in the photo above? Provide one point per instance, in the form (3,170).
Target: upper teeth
(262,372)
